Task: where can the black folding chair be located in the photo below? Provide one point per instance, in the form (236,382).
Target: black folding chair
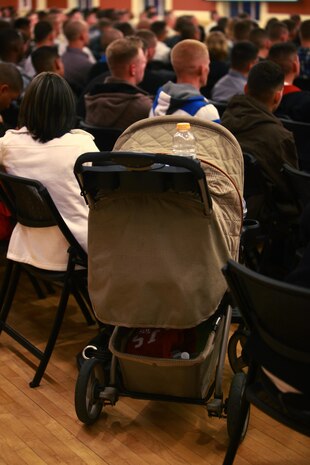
(31,205)
(278,318)
(300,131)
(105,137)
(299,182)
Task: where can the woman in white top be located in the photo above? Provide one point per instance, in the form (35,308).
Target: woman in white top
(45,148)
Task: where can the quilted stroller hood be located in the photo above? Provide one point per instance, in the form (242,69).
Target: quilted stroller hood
(157,262)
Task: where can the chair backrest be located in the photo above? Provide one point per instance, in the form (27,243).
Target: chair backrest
(257,190)
(32,206)
(277,315)
(301,132)
(299,182)
(105,137)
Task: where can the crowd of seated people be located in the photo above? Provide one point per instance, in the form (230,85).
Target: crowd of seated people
(121,69)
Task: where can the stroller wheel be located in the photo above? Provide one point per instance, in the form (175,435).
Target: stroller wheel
(234,403)
(235,346)
(89,384)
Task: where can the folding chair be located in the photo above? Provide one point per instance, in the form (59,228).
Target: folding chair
(105,137)
(299,182)
(277,315)
(31,206)
(300,131)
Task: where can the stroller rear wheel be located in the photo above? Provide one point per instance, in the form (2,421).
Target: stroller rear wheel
(89,384)
(235,346)
(234,404)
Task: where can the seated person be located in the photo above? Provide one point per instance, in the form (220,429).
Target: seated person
(295,102)
(250,118)
(217,44)
(76,60)
(11,86)
(243,57)
(46,58)
(190,60)
(154,76)
(118,101)
(46,148)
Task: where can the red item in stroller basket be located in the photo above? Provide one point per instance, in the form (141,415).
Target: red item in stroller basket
(158,342)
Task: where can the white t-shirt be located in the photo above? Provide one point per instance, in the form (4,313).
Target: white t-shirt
(52,164)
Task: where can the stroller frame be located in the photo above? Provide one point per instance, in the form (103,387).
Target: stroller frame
(98,382)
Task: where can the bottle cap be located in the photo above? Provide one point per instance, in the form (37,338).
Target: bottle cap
(183,126)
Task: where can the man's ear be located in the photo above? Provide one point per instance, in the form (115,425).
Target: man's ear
(132,69)
(3,88)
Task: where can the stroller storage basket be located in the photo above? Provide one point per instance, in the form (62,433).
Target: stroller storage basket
(168,376)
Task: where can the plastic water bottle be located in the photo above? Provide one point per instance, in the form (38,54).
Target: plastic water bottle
(184,143)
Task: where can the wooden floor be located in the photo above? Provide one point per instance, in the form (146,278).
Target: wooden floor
(39,426)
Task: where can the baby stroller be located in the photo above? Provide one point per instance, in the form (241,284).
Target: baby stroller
(161,227)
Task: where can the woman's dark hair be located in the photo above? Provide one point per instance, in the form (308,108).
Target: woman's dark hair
(48,107)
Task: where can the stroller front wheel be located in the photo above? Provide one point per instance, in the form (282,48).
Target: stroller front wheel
(89,384)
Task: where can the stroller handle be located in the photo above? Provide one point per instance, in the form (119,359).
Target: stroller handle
(143,161)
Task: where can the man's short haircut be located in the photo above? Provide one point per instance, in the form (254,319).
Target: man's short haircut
(187,55)
(242,29)
(73,29)
(43,58)
(276,29)
(48,107)
(148,37)
(42,30)
(122,51)
(283,54)
(158,27)
(305,30)
(10,39)
(264,79)
(10,75)
(126,28)
(242,54)
(258,37)
(22,23)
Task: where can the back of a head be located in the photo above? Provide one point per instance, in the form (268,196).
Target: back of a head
(182,21)
(188,55)
(258,37)
(10,76)
(218,45)
(242,29)
(264,79)
(278,32)
(122,51)
(108,36)
(242,54)
(43,58)
(42,30)
(305,30)
(159,28)
(126,28)
(148,38)
(284,54)
(73,30)
(10,41)
(48,107)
